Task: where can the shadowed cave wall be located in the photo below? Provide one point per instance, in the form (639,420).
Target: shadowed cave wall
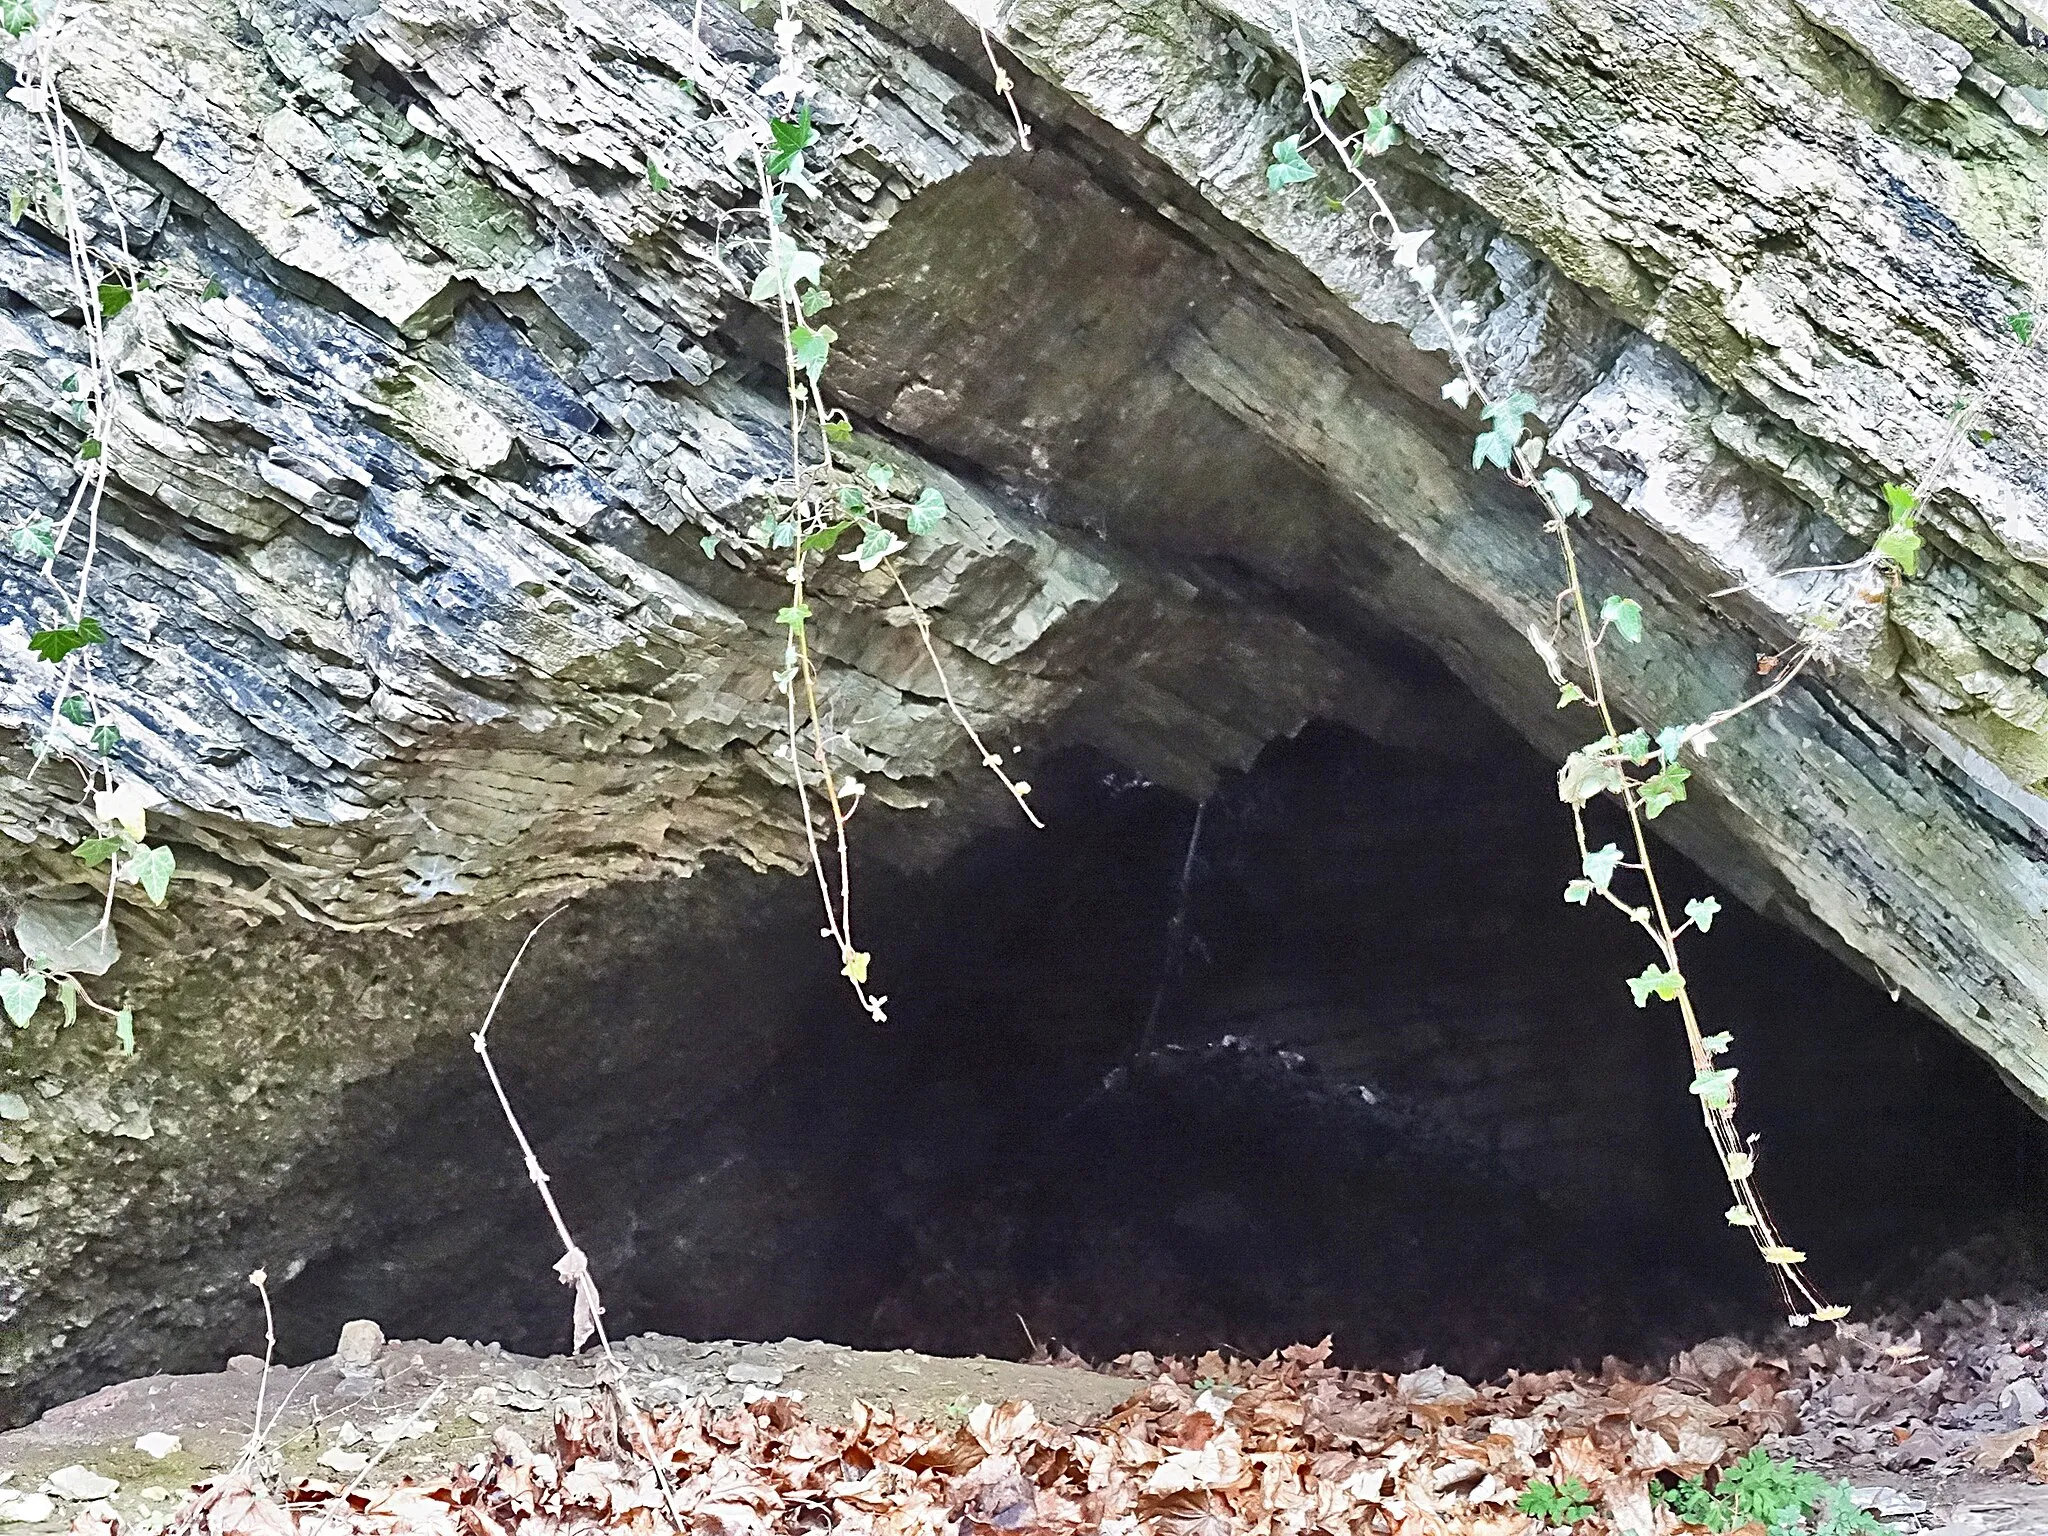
(1351,1067)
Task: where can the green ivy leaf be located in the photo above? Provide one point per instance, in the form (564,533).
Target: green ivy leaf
(90,448)
(1664,789)
(877,545)
(927,512)
(1701,910)
(1902,502)
(709,544)
(1626,615)
(114,297)
(1717,1045)
(882,477)
(212,290)
(97,850)
(1508,411)
(657,178)
(1495,447)
(17,17)
(1600,866)
(105,738)
(1715,1088)
(792,618)
(53,645)
(788,267)
(816,300)
(811,348)
(124,1030)
(1635,746)
(2022,326)
(1288,166)
(77,708)
(1561,489)
(854,500)
(152,869)
(67,999)
(1380,133)
(791,140)
(1900,545)
(36,538)
(822,541)
(838,431)
(1327,95)
(21,995)
(1570,693)
(1578,892)
(1654,982)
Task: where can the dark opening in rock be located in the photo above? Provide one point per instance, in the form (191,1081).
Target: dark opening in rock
(1347,1065)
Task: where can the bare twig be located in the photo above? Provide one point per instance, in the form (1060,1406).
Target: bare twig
(574,1265)
(250,1451)
(418,1414)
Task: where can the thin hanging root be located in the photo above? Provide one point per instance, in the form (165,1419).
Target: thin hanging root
(992,761)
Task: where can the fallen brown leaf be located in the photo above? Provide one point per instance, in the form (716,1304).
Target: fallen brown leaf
(1278,1447)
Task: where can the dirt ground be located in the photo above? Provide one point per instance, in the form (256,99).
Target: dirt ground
(421,1408)
(418,1408)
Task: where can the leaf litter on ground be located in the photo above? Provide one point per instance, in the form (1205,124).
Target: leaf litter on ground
(1211,1447)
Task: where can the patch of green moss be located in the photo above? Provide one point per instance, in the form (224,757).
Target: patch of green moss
(453,211)
(460,215)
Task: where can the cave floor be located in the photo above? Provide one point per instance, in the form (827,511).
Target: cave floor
(405,1415)
(439,1404)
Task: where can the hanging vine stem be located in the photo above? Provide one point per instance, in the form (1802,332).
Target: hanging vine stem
(101,284)
(839,914)
(790,277)
(1599,767)
(36,91)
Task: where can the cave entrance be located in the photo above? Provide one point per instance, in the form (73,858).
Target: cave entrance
(1325,1053)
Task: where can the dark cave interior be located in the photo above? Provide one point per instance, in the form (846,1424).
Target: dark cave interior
(1348,1066)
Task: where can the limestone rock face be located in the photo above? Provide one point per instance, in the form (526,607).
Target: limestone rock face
(446,366)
